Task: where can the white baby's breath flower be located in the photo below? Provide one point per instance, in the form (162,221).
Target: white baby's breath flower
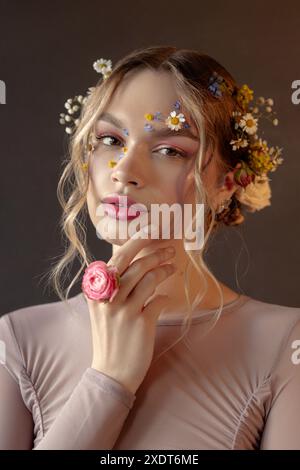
(68,130)
(67,105)
(256,195)
(275,122)
(270,101)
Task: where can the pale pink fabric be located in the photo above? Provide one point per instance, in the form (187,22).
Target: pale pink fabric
(236,388)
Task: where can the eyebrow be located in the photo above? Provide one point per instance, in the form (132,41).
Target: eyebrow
(164,132)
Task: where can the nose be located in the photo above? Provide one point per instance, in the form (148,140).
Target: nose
(130,168)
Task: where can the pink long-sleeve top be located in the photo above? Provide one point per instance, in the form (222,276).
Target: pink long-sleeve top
(236,388)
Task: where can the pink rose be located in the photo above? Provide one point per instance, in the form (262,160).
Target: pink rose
(100,282)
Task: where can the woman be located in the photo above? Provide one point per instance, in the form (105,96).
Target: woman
(113,372)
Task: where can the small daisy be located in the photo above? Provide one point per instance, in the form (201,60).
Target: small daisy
(248,123)
(174,120)
(239,143)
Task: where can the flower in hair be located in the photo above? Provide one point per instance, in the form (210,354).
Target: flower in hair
(74,105)
(217,85)
(248,123)
(103,66)
(256,196)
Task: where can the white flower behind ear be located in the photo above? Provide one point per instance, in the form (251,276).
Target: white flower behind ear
(256,195)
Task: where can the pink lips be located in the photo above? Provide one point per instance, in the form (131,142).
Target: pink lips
(117,206)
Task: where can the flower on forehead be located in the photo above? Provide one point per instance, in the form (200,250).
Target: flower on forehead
(148,127)
(157,116)
(85,166)
(112,163)
(103,66)
(244,96)
(149,116)
(248,123)
(174,121)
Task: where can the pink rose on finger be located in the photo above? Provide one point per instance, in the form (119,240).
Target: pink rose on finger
(100,282)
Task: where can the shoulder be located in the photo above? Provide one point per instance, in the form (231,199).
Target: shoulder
(268,329)
(26,333)
(268,314)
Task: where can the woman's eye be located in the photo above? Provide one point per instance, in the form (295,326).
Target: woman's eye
(176,153)
(101,137)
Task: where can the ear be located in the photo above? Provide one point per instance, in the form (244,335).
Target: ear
(228,187)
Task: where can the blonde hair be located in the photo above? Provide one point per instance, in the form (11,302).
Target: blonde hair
(191,71)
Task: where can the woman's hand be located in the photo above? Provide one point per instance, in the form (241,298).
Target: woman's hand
(123,331)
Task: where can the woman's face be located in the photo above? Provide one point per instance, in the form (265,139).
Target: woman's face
(156,168)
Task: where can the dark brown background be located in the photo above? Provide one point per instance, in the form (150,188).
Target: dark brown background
(46,55)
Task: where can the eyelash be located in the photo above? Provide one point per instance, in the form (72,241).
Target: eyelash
(178,153)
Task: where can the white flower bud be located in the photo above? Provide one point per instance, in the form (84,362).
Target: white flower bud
(68,130)
(268,109)
(62,121)
(67,105)
(270,102)
(68,118)
(275,122)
